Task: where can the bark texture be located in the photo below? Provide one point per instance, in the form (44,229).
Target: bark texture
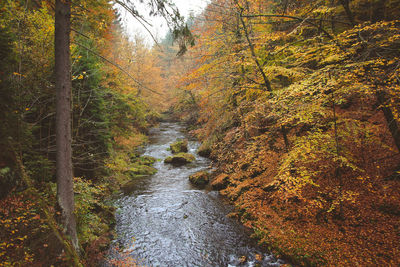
(65,191)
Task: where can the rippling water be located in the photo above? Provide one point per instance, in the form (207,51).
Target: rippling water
(164,221)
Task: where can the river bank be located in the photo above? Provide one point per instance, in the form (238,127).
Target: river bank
(362,229)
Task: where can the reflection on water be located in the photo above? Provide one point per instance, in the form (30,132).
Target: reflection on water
(175,224)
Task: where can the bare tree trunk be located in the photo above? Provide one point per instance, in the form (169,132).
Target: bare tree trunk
(346,6)
(65,190)
(252,50)
(285,7)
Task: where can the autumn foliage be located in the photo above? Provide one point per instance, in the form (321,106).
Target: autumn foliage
(110,115)
(297,103)
(312,164)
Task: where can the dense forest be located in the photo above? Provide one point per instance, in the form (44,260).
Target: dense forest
(296,103)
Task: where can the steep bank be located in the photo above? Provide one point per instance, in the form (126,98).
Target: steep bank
(312,228)
(312,165)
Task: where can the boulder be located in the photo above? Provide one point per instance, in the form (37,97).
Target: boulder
(220,182)
(139,170)
(179,146)
(180,159)
(204,150)
(200,178)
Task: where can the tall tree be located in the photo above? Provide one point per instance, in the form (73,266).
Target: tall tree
(65,191)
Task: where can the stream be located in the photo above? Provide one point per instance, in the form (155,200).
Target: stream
(165,221)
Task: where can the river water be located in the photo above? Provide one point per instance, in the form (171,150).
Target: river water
(165,221)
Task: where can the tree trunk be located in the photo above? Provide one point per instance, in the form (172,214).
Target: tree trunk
(390,119)
(346,6)
(65,191)
(252,50)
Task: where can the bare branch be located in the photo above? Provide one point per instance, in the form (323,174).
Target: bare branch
(291,17)
(141,20)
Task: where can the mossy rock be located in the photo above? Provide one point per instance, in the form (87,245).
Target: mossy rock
(146,160)
(200,178)
(220,182)
(180,159)
(204,150)
(138,170)
(179,146)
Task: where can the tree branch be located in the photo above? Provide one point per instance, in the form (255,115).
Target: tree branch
(252,50)
(291,17)
(139,19)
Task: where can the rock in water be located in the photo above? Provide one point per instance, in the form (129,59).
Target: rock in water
(204,150)
(180,159)
(137,169)
(200,178)
(179,146)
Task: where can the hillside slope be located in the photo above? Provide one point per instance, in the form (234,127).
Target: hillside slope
(299,104)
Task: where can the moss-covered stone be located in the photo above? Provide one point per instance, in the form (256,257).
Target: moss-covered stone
(137,169)
(180,159)
(220,182)
(179,146)
(204,150)
(200,178)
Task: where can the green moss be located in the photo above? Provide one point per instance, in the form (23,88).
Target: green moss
(200,178)
(204,150)
(137,169)
(93,216)
(179,146)
(146,160)
(180,159)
